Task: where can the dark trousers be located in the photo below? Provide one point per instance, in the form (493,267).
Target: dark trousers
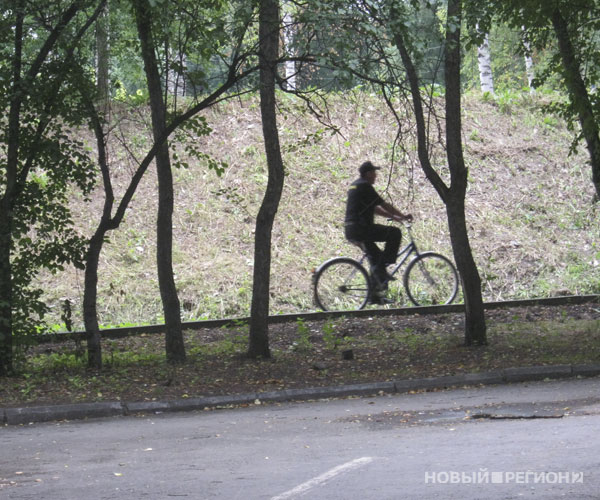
(369,235)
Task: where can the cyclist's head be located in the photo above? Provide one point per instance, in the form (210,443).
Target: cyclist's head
(368,171)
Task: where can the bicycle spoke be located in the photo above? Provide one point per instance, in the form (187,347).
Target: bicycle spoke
(341,284)
(431,280)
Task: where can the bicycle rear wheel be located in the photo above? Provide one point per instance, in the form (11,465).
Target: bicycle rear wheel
(341,284)
(431,279)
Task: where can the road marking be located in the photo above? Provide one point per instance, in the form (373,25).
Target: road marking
(323,478)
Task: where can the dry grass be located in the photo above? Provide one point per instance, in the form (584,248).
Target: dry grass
(533,227)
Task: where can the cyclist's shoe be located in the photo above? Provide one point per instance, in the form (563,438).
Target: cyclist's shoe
(378,294)
(379,300)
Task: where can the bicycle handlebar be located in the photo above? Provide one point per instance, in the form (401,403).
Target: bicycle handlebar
(407,223)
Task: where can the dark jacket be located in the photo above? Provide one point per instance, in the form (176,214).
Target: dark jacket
(361,202)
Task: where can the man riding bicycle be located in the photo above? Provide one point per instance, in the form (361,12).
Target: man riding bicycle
(362,204)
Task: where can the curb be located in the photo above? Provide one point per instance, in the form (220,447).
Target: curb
(36,414)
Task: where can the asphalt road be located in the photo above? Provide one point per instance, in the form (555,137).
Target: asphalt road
(528,440)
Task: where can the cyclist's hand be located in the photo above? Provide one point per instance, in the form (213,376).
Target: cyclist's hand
(401,218)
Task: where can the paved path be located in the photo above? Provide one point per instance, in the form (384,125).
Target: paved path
(521,440)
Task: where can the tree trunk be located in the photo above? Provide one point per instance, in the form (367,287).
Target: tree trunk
(269,42)
(174,345)
(102,55)
(484,60)
(578,94)
(422,137)
(475,328)
(8,199)
(453,196)
(95,244)
(6,338)
(90,296)
(529,71)
(288,40)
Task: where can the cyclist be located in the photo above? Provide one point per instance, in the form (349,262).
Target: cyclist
(362,204)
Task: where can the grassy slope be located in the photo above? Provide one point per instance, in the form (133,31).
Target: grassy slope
(533,227)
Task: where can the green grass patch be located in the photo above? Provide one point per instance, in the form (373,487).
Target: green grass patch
(305,354)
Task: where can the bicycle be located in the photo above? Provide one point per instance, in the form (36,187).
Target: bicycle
(343,283)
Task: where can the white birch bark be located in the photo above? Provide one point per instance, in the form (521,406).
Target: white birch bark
(528,63)
(484,60)
(288,39)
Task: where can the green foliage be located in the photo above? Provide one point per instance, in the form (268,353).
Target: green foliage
(233,343)
(43,233)
(331,338)
(232,195)
(542,25)
(505,101)
(138,98)
(303,342)
(187,136)
(41,161)
(57,362)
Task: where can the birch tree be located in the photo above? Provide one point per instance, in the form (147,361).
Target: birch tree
(484,60)
(569,28)
(529,69)
(288,43)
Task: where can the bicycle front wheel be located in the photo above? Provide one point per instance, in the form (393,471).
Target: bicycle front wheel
(341,284)
(431,279)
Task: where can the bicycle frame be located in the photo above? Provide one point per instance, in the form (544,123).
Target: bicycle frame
(402,257)
(435,280)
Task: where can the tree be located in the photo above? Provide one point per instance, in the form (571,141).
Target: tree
(175,348)
(269,29)
(475,327)
(453,196)
(529,69)
(102,55)
(578,92)
(484,58)
(574,25)
(208,38)
(396,59)
(39,162)
(288,42)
